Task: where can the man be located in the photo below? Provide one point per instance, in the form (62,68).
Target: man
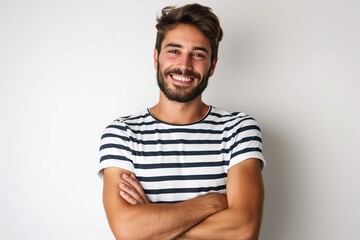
(183,169)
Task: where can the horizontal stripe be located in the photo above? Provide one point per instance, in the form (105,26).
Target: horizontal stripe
(246,150)
(246,139)
(183,141)
(184,190)
(116,157)
(166,153)
(211,122)
(118,127)
(109,135)
(181,165)
(141,123)
(173,153)
(234,114)
(117,146)
(180,130)
(184,177)
(179,197)
(177,141)
(137,117)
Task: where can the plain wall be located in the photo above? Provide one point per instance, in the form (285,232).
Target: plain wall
(68,68)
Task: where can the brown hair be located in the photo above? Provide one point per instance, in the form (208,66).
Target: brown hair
(195,14)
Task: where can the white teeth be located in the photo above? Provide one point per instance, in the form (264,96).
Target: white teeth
(181,78)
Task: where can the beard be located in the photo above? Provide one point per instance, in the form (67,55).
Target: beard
(181,94)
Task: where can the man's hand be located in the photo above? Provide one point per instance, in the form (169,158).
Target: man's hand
(132,191)
(170,220)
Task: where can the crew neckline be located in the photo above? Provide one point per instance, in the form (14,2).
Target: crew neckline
(198,121)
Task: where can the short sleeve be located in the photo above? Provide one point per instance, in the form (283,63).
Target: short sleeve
(115,148)
(247,142)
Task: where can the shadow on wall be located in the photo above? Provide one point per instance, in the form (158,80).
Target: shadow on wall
(275,181)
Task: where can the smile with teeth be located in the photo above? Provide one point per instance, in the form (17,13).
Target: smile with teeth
(181,78)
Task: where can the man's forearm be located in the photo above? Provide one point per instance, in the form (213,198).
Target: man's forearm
(227,224)
(164,221)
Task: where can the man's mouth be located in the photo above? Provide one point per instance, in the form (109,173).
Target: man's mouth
(182,78)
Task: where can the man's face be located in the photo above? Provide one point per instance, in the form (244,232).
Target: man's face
(184,63)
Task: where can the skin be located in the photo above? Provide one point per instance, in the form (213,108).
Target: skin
(211,216)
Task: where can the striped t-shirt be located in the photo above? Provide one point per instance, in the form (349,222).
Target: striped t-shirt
(179,162)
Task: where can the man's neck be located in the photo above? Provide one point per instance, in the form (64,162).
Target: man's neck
(179,113)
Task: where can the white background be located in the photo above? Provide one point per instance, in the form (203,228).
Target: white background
(68,68)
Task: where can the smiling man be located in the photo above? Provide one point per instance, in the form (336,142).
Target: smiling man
(183,169)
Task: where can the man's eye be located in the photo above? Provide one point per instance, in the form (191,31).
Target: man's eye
(174,51)
(199,55)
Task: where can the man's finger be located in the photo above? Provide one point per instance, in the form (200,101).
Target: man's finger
(132,180)
(128,198)
(139,188)
(131,193)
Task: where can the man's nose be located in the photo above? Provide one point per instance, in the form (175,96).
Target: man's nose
(185,62)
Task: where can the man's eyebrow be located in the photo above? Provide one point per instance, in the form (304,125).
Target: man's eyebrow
(201,49)
(173,45)
(176,45)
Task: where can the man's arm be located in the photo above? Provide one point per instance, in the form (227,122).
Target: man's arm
(153,221)
(242,220)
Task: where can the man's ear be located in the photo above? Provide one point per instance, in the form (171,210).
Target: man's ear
(156,58)
(212,67)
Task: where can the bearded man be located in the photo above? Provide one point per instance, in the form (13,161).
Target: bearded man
(183,169)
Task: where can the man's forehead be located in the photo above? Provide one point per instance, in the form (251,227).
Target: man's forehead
(185,35)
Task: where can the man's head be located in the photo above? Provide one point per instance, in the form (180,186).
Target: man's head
(186,50)
(196,15)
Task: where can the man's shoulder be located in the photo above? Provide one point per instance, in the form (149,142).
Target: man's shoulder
(232,120)
(124,122)
(221,113)
(133,118)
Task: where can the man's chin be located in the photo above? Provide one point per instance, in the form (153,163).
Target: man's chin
(181,97)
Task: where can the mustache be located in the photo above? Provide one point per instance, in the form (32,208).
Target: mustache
(188,73)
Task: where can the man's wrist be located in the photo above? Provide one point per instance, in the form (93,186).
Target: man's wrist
(214,201)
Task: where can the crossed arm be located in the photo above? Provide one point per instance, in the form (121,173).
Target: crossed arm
(211,216)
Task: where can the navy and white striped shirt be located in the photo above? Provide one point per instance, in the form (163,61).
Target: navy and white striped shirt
(179,162)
